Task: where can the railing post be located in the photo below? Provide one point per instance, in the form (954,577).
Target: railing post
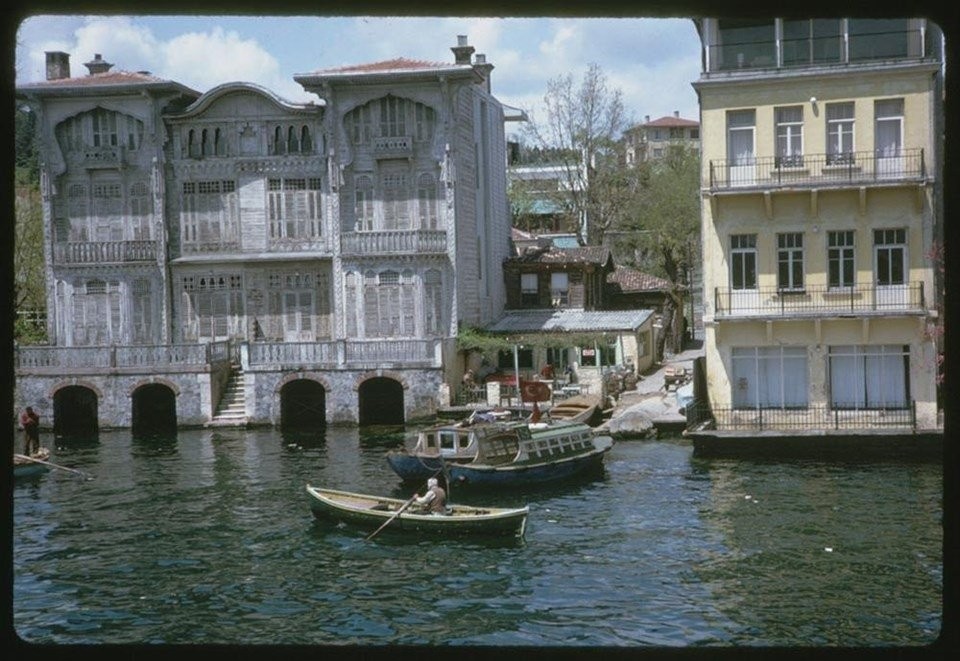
(836,418)
(760,413)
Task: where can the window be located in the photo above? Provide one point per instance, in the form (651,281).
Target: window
(360,125)
(890,251)
(789,136)
(840,254)
(427,200)
(104,128)
(293,208)
(889,129)
(769,377)
(212,306)
(811,41)
(388,304)
(694,134)
(141,211)
(396,209)
(740,127)
(743,261)
(524,359)
(433,302)
(529,289)
(839,133)
(96,313)
(209,216)
(393,117)
(424,123)
(877,38)
(559,289)
(363,202)
(746,43)
(790,261)
(869,377)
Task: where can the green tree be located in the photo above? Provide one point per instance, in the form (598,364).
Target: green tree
(660,225)
(29,296)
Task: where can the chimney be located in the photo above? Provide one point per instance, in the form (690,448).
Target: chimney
(646,119)
(462,51)
(58,65)
(97,65)
(676,113)
(481,65)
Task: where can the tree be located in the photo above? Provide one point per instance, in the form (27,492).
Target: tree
(581,127)
(661,225)
(28,259)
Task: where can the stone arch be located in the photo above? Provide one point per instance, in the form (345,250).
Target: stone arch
(303,401)
(76,409)
(154,408)
(173,385)
(380,399)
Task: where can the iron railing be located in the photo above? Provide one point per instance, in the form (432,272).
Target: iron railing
(807,419)
(819,300)
(817,170)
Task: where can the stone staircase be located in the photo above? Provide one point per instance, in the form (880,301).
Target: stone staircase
(231,411)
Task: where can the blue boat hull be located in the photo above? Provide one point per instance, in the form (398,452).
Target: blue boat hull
(523,475)
(414,469)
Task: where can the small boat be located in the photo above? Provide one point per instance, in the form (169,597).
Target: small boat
(532,454)
(452,443)
(374,511)
(579,408)
(23,467)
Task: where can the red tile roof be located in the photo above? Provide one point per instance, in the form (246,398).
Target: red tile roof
(633,281)
(671,121)
(107,78)
(396,64)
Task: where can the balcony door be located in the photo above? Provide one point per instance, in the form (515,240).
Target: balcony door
(744,295)
(298,314)
(741,157)
(889,137)
(890,269)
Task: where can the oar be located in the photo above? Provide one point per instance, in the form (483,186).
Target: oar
(390,520)
(50,463)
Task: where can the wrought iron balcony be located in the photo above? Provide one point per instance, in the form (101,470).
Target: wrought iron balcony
(819,301)
(816,170)
(393,242)
(104,252)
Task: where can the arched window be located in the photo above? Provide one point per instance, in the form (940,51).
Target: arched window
(193,145)
(219,143)
(207,142)
(306,142)
(279,144)
(293,141)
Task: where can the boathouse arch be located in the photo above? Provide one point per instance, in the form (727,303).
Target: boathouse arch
(76,409)
(380,400)
(154,409)
(303,402)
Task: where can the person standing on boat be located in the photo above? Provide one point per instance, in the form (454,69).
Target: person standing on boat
(434,500)
(30,422)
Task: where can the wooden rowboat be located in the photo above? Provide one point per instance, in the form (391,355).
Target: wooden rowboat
(373,511)
(23,467)
(579,408)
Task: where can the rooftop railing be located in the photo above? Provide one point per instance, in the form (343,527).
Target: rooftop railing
(816,170)
(819,300)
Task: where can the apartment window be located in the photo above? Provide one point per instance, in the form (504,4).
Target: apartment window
(694,134)
(890,253)
(840,254)
(740,128)
(790,261)
(889,127)
(812,41)
(869,377)
(559,289)
(839,133)
(769,377)
(789,136)
(529,289)
(743,261)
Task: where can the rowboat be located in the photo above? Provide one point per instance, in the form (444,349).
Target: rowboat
(23,467)
(532,454)
(373,511)
(579,408)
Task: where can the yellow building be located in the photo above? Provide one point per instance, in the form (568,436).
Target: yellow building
(821,160)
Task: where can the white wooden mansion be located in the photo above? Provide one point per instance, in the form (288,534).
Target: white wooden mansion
(233,254)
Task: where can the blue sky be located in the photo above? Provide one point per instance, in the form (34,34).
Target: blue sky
(653,61)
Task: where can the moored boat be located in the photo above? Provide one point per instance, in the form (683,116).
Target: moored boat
(441,445)
(533,454)
(374,511)
(25,467)
(579,408)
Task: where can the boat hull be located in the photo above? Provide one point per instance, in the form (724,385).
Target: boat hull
(23,468)
(371,512)
(521,475)
(412,468)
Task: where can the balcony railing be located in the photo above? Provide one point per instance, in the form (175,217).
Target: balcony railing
(344,354)
(814,418)
(100,157)
(393,242)
(61,360)
(105,252)
(392,147)
(816,170)
(819,300)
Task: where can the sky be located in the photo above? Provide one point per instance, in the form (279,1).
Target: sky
(653,61)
